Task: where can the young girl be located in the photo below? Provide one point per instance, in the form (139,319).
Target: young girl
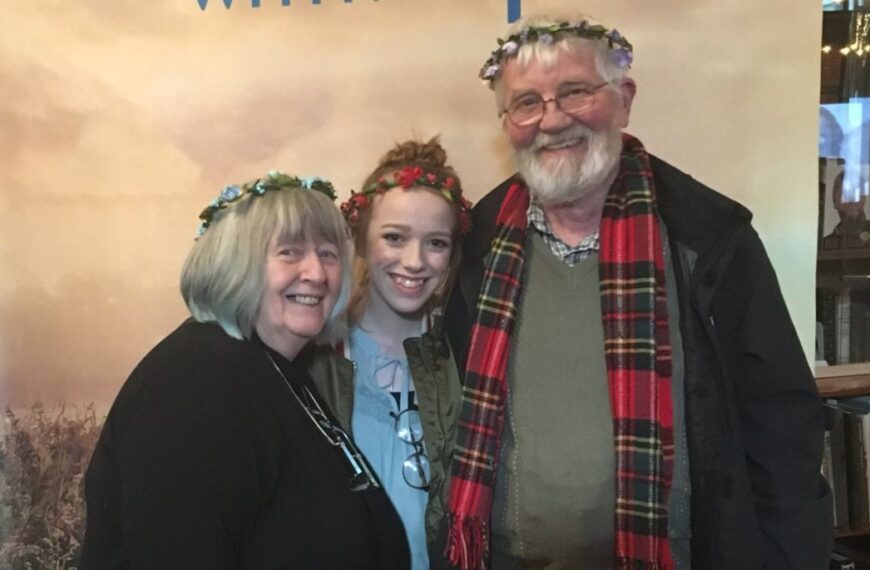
(402,389)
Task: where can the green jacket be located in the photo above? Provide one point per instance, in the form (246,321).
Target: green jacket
(438,394)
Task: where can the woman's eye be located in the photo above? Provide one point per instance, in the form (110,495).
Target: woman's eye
(289,251)
(328,253)
(392,237)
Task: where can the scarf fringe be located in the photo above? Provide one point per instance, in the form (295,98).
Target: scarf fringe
(632,564)
(467,542)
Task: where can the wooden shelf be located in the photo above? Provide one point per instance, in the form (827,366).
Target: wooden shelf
(855,253)
(851,532)
(843,380)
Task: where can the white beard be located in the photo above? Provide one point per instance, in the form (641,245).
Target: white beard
(570,177)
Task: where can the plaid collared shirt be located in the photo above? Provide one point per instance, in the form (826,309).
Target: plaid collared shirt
(569,255)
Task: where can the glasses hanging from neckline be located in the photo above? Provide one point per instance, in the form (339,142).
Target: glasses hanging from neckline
(363,477)
(416,468)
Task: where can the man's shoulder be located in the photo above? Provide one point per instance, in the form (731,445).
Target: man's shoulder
(693,212)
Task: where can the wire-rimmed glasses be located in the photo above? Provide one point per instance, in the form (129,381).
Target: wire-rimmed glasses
(363,478)
(416,468)
(571,99)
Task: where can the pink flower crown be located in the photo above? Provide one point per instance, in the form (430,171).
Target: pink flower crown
(409,177)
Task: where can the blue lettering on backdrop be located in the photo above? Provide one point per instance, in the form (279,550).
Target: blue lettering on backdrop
(513,10)
(513,6)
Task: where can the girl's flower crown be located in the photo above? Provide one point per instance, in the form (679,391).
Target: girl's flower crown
(620,49)
(275,180)
(409,177)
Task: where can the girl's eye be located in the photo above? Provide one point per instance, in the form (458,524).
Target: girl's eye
(440,243)
(392,237)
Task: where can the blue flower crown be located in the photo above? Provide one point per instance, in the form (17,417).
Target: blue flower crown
(620,49)
(275,180)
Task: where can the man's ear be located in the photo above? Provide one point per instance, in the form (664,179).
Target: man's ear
(627,89)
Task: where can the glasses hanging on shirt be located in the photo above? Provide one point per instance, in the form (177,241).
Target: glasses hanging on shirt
(416,469)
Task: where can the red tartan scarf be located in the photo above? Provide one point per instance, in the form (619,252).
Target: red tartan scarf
(638,358)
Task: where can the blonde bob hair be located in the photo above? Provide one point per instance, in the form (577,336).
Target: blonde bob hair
(223,278)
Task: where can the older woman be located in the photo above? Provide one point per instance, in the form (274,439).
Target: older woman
(217,452)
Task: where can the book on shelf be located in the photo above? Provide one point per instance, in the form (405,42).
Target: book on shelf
(841,562)
(838,468)
(856,466)
(845,459)
(844,319)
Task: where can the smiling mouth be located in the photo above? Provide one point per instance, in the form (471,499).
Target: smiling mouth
(408,283)
(308,300)
(562,144)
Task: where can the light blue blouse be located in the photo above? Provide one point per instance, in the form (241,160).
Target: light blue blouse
(383,388)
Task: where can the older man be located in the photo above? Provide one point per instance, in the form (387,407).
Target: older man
(636,395)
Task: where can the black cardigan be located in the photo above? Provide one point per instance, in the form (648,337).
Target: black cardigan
(207,462)
(753,415)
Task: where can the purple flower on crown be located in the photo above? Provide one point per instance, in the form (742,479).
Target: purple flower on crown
(615,36)
(546,39)
(230,193)
(510,48)
(621,58)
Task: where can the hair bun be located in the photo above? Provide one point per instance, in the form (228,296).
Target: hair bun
(428,154)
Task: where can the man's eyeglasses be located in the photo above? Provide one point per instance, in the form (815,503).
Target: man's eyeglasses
(415,469)
(529,109)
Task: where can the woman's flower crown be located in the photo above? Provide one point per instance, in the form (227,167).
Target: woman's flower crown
(620,49)
(409,177)
(275,180)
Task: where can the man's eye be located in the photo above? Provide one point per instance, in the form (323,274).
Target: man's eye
(525,103)
(575,93)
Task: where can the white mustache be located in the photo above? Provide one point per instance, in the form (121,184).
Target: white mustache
(575,132)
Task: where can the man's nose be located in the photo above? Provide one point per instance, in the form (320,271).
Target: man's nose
(554,118)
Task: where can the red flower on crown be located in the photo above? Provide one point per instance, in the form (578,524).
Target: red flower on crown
(408,176)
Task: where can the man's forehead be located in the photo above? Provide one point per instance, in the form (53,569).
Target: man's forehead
(565,67)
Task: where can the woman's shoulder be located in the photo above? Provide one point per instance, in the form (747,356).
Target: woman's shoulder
(197,348)
(196,363)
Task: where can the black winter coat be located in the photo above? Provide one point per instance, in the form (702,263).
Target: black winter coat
(753,414)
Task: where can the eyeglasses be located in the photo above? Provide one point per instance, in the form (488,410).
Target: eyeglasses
(416,468)
(572,99)
(363,477)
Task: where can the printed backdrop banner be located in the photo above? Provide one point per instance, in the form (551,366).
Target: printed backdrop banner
(122,119)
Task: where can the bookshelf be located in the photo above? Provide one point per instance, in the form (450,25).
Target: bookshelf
(843,380)
(843,269)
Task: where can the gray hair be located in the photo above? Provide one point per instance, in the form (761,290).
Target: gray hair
(547,53)
(223,278)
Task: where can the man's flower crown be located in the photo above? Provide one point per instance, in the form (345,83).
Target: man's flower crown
(620,49)
(409,177)
(275,180)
